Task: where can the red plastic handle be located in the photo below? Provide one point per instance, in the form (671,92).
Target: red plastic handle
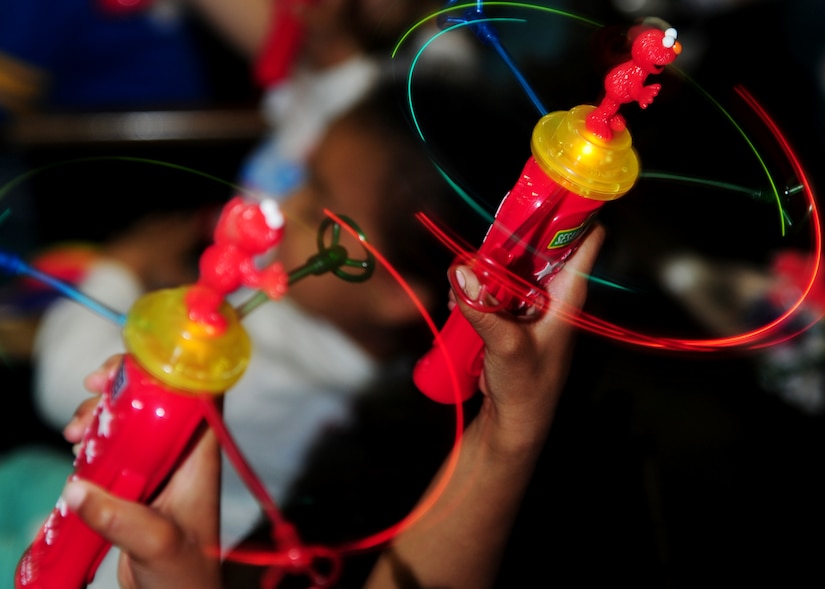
(449,371)
(537,227)
(140,431)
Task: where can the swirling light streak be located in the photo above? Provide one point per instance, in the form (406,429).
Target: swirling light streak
(290,555)
(769,334)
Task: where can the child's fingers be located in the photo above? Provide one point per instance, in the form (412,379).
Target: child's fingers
(172,543)
(81,419)
(534,349)
(568,289)
(96,381)
(159,551)
(116,520)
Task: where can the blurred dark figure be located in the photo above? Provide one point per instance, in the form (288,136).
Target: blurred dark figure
(71,61)
(87,56)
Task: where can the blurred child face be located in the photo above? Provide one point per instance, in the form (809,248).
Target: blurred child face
(347,175)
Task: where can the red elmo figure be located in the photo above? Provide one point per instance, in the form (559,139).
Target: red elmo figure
(651,51)
(244,231)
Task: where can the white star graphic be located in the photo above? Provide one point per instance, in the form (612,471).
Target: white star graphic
(90,450)
(548,270)
(104,422)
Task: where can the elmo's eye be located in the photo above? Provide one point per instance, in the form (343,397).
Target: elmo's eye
(670,38)
(272,213)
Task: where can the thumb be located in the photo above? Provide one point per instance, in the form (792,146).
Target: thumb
(507,336)
(117,519)
(484,322)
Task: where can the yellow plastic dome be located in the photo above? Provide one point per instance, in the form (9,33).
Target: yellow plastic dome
(182,353)
(581,161)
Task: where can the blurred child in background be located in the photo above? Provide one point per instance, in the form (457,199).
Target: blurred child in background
(328,339)
(344,47)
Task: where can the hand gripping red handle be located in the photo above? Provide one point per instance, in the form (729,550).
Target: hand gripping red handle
(537,227)
(140,431)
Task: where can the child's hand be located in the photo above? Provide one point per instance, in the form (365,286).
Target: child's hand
(96,383)
(460,539)
(173,542)
(526,359)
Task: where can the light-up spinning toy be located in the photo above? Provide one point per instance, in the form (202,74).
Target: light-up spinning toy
(581,159)
(185,346)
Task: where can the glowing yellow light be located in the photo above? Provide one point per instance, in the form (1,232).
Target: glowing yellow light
(582,162)
(182,353)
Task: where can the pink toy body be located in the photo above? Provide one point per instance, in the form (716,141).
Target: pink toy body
(651,51)
(244,232)
(538,226)
(141,429)
(581,159)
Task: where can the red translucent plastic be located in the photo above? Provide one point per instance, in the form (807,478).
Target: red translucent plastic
(537,227)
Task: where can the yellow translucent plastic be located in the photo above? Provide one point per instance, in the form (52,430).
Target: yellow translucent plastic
(581,161)
(185,354)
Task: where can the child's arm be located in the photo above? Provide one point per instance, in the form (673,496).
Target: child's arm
(460,540)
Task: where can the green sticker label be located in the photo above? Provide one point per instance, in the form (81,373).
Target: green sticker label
(565,237)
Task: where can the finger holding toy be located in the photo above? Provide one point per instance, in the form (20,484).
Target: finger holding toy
(525,364)
(527,357)
(171,543)
(96,383)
